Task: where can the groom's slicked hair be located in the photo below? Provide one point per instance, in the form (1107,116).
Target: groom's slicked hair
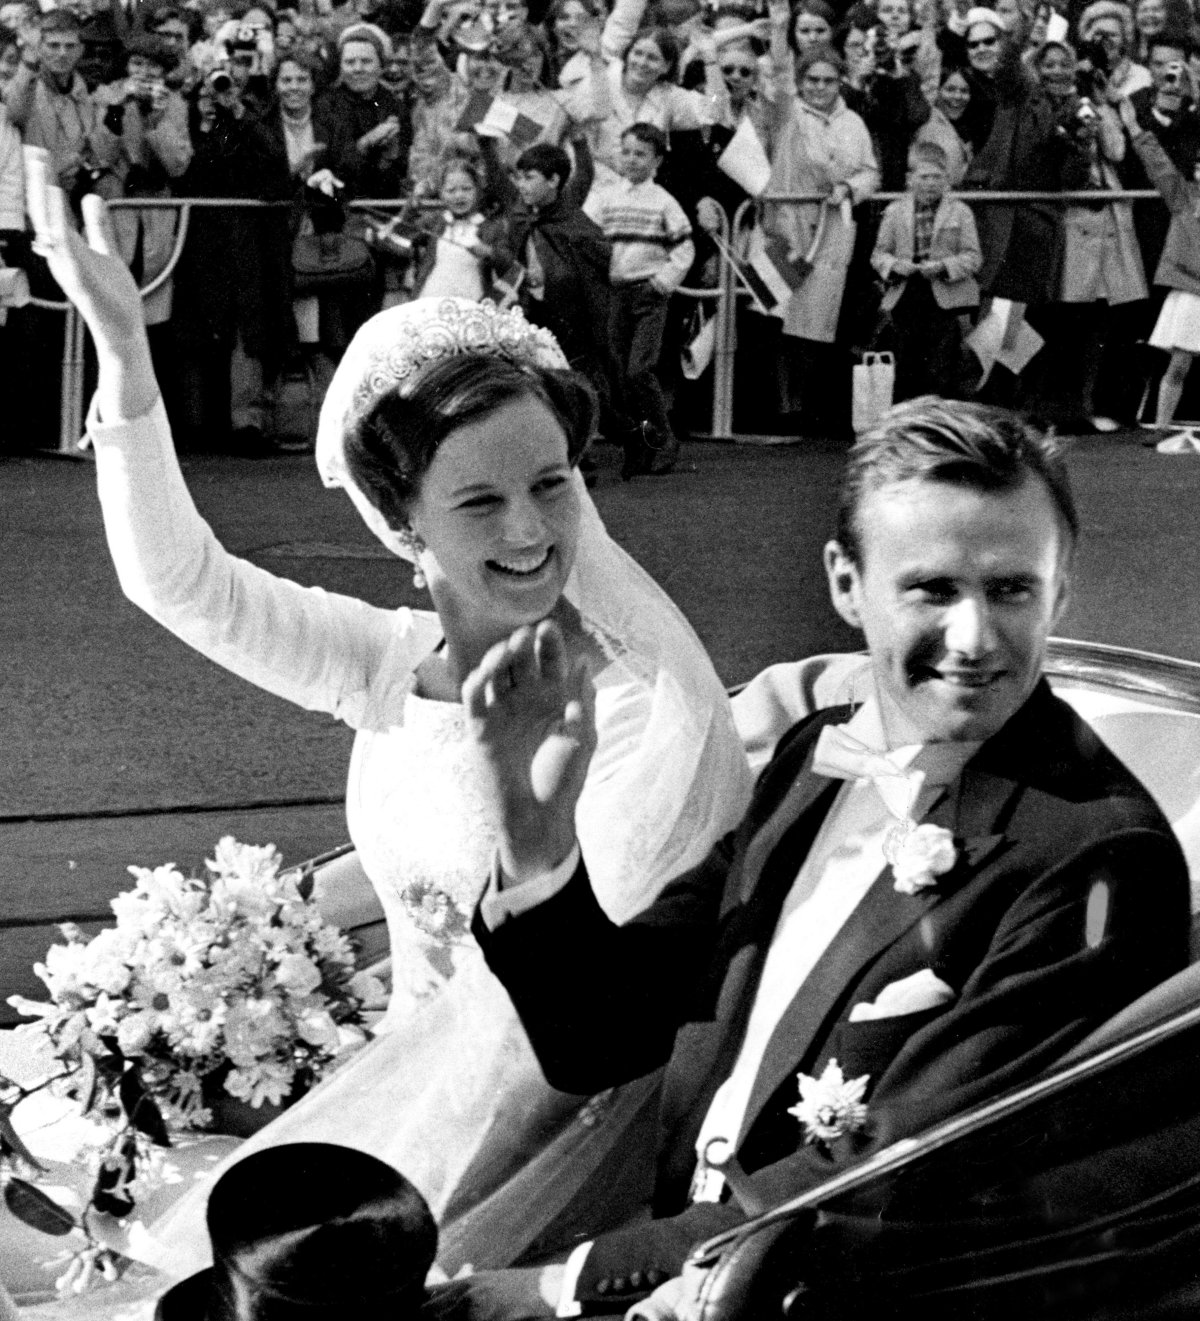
(965,444)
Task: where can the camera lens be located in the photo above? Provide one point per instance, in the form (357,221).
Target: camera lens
(220,81)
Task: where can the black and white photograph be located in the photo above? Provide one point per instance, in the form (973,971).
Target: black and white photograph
(601,698)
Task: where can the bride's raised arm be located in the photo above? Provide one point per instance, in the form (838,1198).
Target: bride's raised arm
(311,647)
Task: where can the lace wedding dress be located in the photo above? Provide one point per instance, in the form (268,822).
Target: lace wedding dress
(450,1093)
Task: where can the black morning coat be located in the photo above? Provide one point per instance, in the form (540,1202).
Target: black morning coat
(1069,898)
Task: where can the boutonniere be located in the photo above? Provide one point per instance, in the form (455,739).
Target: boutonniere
(830,1106)
(919,854)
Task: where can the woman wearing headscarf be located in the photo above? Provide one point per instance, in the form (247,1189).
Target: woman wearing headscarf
(366,130)
(821,146)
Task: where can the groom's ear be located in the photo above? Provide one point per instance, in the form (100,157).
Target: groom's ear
(845,583)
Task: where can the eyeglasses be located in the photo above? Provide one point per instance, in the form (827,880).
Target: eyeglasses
(743,70)
(982,42)
(818,81)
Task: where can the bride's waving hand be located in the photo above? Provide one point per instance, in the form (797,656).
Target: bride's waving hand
(98,282)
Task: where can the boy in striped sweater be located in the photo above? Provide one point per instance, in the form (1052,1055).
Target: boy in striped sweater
(651,253)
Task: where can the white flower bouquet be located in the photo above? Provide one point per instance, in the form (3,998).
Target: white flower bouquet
(231,982)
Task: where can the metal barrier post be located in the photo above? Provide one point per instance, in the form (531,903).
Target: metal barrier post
(726,343)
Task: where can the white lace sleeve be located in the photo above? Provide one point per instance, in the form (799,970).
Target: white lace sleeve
(312,647)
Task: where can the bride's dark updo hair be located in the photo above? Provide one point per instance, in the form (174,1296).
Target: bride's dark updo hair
(390,449)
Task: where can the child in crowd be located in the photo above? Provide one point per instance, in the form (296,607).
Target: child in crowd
(1178,327)
(652,252)
(462,248)
(928,253)
(566,260)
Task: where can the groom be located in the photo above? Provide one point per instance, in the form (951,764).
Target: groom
(941,889)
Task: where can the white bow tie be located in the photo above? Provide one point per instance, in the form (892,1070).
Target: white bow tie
(841,756)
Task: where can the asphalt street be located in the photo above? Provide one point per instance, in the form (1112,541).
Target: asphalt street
(121,746)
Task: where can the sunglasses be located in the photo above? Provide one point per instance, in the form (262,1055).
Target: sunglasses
(745,70)
(982,42)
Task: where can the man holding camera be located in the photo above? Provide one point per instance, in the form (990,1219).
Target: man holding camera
(50,104)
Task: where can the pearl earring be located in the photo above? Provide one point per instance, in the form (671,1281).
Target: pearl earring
(415,547)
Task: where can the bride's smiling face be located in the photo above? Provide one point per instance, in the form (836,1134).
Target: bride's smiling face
(498,513)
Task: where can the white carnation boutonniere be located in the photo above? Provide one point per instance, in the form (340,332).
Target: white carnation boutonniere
(919,855)
(830,1106)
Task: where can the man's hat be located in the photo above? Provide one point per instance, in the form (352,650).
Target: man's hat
(309,1231)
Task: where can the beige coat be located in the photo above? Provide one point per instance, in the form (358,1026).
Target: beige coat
(813,152)
(1101,256)
(955,242)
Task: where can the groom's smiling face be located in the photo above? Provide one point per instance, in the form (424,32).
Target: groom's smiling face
(956,590)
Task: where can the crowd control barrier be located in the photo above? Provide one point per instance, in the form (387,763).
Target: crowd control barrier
(724,296)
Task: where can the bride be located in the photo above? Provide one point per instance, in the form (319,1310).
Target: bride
(455,428)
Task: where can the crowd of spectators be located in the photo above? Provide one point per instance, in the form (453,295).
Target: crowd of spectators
(314,105)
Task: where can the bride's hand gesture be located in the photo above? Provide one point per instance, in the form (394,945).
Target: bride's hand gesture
(98,282)
(531,711)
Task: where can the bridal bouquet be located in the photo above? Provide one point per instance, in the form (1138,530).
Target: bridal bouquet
(227,983)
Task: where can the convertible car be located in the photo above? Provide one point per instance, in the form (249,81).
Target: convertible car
(1077,1196)
(1074,1198)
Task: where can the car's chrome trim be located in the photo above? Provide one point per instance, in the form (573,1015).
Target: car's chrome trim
(1144,674)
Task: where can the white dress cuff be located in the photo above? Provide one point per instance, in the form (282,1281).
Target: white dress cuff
(568,1304)
(498,905)
(99,431)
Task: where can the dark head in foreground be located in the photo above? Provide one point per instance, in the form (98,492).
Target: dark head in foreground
(310,1232)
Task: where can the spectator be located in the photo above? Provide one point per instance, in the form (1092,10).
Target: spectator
(10,57)
(1102,267)
(928,252)
(437,105)
(1177,330)
(12,188)
(891,102)
(851,42)
(246,52)
(173,25)
(823,147)
(526,88)
(652,251)
(566,261)
(1018,18)
(1167,110)
(291,116)
(1024,149)
(812,25)
(462,248)
(152,147)
(1109,25)
(50,105)
(949,124)
(366,129)
(103,30)
(629,80)
(566,21)
(481,69)
(232,316)
(1150,17)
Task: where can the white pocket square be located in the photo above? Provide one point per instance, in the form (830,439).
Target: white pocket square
(910,995)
